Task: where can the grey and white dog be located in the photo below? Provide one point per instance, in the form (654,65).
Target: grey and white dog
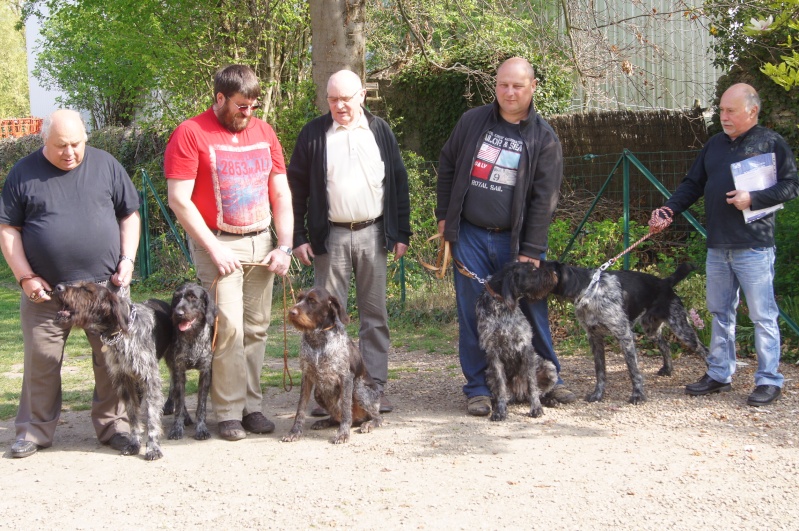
(613,304)
(332,368)
(134,336)
(515,373)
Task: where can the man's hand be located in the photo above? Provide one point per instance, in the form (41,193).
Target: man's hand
(278,262)
(124,273)
(441,225)
(224,259)
(740,199)
(660,219)
(536,262)
(399,250)
(304,254)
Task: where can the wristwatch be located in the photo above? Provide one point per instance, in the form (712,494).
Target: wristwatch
(286,249)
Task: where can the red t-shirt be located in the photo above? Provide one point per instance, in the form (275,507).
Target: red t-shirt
(231,171)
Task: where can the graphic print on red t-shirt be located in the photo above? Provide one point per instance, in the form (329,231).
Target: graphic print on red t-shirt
(240,176)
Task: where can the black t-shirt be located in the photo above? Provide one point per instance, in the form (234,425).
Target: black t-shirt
(493,179)
(69,219)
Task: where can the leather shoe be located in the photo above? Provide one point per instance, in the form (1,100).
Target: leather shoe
(562,395)
(231,430)
(764,395)
(479,406)
(256,422)
(385,405)
(23,448)
(705,386)
(119,441)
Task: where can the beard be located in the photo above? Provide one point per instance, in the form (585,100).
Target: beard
(233,121)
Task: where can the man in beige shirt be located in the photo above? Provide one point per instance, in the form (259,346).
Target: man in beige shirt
(351,207)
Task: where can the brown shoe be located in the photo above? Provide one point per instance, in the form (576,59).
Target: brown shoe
(479,406)
(257,423)
(231,430)
(385,405)
(562,395)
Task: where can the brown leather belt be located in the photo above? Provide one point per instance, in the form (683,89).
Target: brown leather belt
(223,233)
(356,225)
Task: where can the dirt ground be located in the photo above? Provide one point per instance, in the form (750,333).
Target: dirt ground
(676,462)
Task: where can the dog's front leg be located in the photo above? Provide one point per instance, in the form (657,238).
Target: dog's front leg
(155,402)
(201,432)
(178,386)
(306,386)
(497,383)
(343,434)
(627,345)
(129,393)
(536,410)
(597,342)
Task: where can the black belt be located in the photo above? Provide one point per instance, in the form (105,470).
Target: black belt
(356,225)
(223,233)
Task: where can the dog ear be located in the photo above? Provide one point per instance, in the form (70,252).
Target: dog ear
(339,311)
(118,310)
(509,291)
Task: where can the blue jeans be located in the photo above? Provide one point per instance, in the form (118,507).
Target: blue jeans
(753,271)
(484,253)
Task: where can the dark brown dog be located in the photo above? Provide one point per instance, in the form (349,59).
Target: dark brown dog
(332,368)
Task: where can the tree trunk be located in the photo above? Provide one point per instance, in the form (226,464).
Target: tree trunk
(338,41)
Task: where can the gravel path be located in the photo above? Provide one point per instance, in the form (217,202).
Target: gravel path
(675,462)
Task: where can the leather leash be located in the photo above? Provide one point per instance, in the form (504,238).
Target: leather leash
(442,260)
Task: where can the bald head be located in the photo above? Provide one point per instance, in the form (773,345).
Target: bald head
(64,137)
(738,109)
(345,94)
(515,87)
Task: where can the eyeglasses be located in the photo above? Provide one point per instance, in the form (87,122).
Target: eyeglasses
(243,108)
(334,101)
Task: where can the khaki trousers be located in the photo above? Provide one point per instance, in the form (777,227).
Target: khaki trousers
(244,301)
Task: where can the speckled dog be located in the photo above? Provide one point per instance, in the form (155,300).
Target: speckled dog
(614,304)
(193,314)
(134,336)
(515,372)
(332,367)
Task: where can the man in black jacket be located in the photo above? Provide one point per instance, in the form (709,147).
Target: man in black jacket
(499,179)
(740,255)
(351,206)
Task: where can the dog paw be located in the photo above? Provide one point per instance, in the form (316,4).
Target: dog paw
(664,371)
(549,401)
(536,412)
(637,398)
(341,438)
(499,414)
(322,424)
(369,425)
(202,433)
(153,454)
(176,433)
(292,436)
(131,449)
(594,397)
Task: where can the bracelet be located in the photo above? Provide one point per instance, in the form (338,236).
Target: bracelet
(25,277)
(123,257)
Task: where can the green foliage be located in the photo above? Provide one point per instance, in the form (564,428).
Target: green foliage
(747,54)
(597,242)
(297,108)
(13,56)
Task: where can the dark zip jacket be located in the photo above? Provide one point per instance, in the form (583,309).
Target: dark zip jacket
(710,176)
(307,175)
(537,184)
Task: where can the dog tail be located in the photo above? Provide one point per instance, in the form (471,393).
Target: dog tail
(682,271)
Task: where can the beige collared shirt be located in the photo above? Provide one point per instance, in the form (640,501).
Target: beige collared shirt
(355,173)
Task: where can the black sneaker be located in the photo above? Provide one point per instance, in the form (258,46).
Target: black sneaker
(764,395)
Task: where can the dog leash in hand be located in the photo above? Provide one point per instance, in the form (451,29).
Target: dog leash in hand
(660,220)
(442,260)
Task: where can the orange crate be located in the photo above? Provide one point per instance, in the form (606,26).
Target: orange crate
(16,127)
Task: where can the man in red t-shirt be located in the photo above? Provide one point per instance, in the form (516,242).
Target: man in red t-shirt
(226,178)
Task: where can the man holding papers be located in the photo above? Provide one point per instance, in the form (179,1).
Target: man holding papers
(740,252)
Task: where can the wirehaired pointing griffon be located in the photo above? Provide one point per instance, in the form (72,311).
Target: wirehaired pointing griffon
(332,368)
(193,313)
(515,372)
(134,336)
(613,304)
